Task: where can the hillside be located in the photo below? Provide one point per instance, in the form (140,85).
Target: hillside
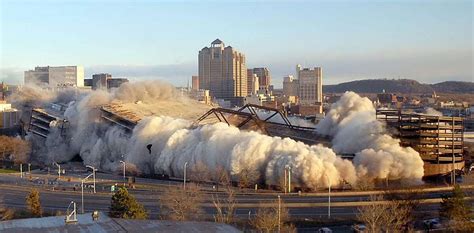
(400,86)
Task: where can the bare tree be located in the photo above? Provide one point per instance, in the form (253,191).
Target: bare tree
(364,183)
(200,172)
(225,208)
(382,215)
(372,214)
(221,177)
(268,219)
(181,205)
(247,177)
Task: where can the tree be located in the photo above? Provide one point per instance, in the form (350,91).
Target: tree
(200,172)
(33,203)
(382,215)
(181,205)
(221,177)
(404,204)
(268,219)
(455,209)
(247,177)
(124,205)
(6,213)
(225,208)
(15,149)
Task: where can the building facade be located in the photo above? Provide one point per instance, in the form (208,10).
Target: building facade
(222,71)
(253,84)
(310,85)
(56,76)
(264,77)
(291,86)
(195,83)
(9,117)
(116,82)
(99,81)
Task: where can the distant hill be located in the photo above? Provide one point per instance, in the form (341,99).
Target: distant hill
(400,86)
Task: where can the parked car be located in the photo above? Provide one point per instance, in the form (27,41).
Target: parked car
(324,230)
(359,228)
(433,223)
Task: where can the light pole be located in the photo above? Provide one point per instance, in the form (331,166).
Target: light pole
(329,196)
(93,172)
(82,191)
(288,167)
(59,170)
(123,162)
(184,180)
(279,213)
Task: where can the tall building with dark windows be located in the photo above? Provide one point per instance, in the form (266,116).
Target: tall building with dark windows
(222,71)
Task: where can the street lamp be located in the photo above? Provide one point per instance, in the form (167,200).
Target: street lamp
(59,170)
(82,190)
(123,162)
(279,213)
(288,167)
(93,172)
(184,180)
(329,196)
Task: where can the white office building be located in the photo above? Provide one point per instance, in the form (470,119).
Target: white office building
(56,76)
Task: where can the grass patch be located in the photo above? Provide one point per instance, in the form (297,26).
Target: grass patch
(7,170)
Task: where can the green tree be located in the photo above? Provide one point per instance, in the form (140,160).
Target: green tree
(124,205)
(33,203)
(455,209)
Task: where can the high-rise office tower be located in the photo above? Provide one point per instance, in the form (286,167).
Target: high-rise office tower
(310,86)
(222,71)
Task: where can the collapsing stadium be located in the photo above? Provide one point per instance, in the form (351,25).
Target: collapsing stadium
(438,139)
(347,146)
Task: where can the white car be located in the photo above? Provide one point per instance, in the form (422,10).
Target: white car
(324,230)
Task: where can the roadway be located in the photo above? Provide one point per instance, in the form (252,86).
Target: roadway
(307,206)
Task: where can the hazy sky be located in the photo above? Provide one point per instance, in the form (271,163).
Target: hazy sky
(429,41)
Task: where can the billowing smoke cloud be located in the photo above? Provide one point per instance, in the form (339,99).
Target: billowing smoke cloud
(175,141)
(355,130)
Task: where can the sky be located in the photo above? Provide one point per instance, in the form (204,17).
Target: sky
(429,41)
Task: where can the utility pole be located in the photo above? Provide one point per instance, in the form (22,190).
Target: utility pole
(82,191)
(123,162)
(93,172)
(279,214)
(21,170)
(289,179)
(184,180)
(329,196)
(59,170)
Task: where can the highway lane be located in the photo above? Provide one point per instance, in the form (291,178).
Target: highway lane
(53,201)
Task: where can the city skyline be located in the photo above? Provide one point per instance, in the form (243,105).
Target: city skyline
(428,42)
